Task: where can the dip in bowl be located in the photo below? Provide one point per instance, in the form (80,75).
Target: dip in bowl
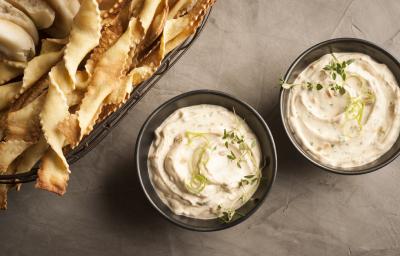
(206,160)
(340,105)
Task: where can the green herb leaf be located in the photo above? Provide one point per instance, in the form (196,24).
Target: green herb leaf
(232,156)
(342,91)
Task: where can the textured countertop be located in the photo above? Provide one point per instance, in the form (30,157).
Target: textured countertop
(244,49)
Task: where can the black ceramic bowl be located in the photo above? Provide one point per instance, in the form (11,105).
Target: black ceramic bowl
(255,122)
(313,54)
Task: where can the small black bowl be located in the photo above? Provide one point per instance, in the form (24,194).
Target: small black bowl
(313,54)
(242,109)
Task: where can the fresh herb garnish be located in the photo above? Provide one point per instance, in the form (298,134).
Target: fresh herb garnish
(248,179)
(227,216)
(233,138)
(231,156)
(335,69)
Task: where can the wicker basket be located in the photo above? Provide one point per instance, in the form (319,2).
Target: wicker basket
(103,128)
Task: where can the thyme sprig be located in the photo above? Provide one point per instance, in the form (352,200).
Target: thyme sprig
(226,215)
(335,69)
(248,179)
(232,138)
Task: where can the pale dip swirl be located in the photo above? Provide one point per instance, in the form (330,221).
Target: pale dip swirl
(197,166)
(346,130)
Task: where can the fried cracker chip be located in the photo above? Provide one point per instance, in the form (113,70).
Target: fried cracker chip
(10,150)
(52,175)
(5,187)
(84,36)
(24,123)
(180,7)
(30,95)
(8,92)
(121,94)
(195,16)
(147,14)
(39,66)
(27,160)
(13,63)
(110,33)
(23,163)
(55,109)
(53,44)
(173,27)
(175,32)
(69,127)
(65,13)
(105,79)
(3,196)
(157,24)
(8,72)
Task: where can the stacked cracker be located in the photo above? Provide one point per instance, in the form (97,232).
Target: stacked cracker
(76,82)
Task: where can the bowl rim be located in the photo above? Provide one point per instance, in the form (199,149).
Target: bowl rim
(273,159)
(285,125)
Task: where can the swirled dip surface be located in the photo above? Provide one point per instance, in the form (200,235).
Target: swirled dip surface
(191,163)
(346,130)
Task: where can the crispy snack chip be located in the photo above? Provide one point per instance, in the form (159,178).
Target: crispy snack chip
(105,79)
(56,180)
(8,92)
(180,6)
(23,163)
(10,150)
(85,35)
(38,67)
(55,109)
(8,72)
(53,45)
(24,123)
(27,160)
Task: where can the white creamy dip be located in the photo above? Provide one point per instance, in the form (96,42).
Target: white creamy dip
(346,130)
(204,162)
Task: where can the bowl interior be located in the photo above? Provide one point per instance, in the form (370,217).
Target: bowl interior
(255,122)
(313,54)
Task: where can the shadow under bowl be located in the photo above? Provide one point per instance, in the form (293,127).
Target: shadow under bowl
(242,109)
(314,53)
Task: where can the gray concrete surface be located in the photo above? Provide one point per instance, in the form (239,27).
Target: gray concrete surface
(245,48)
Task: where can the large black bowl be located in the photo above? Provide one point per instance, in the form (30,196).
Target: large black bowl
(313,54)
(255,122)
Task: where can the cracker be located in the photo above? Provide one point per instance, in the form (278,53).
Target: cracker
(52,175)
(10,150)
(24,123)
(84,36)
(8,92)
(105,79)
(39,66)
(8,72)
